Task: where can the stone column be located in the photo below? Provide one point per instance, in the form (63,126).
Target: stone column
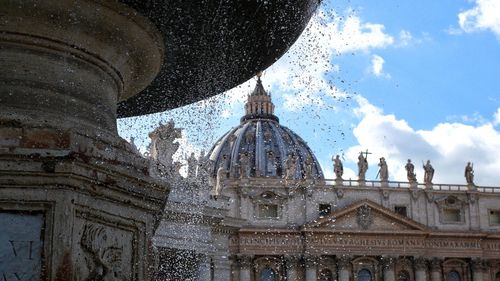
(292,268)
(387,264)
(204,268)
(477,269)
(436,270)
(420,266)
(311,263)
(245,267)
(343,264)
(222,269)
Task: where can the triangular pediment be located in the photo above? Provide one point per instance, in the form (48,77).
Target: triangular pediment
(365,215)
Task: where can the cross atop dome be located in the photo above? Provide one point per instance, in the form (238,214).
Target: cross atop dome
(259,104)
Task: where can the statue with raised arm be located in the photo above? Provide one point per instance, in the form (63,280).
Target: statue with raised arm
(469,173)
(383,170)
(428,172)
(192,165)
(338,168)
(362,166)
(410,172)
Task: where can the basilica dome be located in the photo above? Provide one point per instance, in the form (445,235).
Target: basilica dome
(261,147)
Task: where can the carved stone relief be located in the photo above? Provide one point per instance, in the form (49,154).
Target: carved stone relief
(364,217)
(103,252)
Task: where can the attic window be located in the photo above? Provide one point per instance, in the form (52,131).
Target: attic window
(401,210)
(324,209)
(268,211)
(451,215)
(494,217)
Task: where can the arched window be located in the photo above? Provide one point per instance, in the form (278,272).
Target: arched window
(364,275)
(267,274)
(453,276)
(403,276)
(325,275)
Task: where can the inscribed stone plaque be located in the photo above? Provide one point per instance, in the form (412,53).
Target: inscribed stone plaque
(21,246)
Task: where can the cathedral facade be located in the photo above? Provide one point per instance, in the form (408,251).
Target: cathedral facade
(280,219)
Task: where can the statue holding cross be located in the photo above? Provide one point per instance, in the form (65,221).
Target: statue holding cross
(362,164)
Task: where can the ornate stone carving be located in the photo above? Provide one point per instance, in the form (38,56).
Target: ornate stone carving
(420,263)
(344,262)
(478,264)
(103,256)
(415,193)
(435,265)
(364,216)
(311,260)
(245,262)
(387,262)
(292,261)
(340,193)
(385,194)
(163,145)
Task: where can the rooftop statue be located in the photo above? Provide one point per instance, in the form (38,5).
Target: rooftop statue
(362,165)
(383,171)
(338,168)
(410,172)
(428,172)
(469,173)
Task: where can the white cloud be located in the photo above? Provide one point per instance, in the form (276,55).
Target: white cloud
(301,75)
(302,71)
(496,117)
(485,15)
(449,146)
(377,67)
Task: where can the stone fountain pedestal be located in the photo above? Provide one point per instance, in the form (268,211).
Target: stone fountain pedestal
(76,201)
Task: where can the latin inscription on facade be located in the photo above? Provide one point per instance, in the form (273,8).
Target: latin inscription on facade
(343,242)
(21,246)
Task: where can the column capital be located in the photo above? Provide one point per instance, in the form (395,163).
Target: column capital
(311,260)
(344,262)
(479,264)
(292,260)
(387,262)
(420,263)
(245,261)
(435,264)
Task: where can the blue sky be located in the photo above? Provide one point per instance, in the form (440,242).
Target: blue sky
(403,79)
